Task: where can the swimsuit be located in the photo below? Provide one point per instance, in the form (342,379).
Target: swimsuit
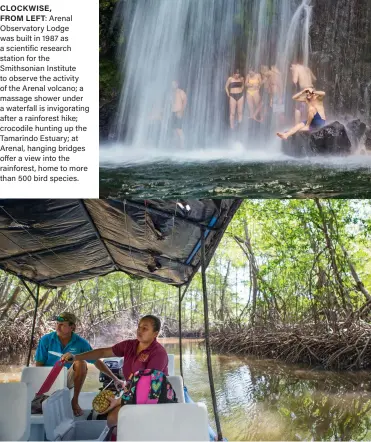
(176,121)
(236,84)
(317,122)
(236,95)
(250,90)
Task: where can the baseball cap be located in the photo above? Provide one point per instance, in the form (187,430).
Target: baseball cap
(66,316)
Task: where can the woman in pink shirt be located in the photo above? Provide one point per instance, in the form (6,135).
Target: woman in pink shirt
(139,354)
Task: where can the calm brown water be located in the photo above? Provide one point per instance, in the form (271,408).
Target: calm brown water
(266,400)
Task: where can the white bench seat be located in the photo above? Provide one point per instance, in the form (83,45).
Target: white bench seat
(61,425)
(14,412)
(34,377)
(163,422)
(177,384)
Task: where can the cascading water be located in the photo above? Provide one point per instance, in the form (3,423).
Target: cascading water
(193,42)
(280,35)
(295,43)
(190,41)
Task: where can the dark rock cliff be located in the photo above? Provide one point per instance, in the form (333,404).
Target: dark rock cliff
(341,55)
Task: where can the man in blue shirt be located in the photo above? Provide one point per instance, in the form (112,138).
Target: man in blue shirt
(65,340)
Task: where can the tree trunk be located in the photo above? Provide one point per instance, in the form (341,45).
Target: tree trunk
(10,302)
(359,284)
(132,300)
(332,252)
(223,290)
(4,287)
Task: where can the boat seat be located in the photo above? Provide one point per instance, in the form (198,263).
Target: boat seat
(177,383)
(158,422)
(171,365)
(60,423)
(14,412)
(34,377)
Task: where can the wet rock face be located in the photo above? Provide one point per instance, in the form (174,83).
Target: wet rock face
(341,54)
(329,140)
(107,112)
(368,139)
(355,130)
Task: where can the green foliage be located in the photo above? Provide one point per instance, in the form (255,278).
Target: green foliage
(106,10)
(301,274)
(108,73)
(109,81)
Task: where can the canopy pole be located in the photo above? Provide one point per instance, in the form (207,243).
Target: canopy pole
(207,341)
(180,332)
(33,322)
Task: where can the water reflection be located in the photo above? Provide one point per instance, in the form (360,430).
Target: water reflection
(267,400)
(263,399)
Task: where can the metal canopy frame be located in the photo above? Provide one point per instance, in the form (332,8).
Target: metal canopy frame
(112,266)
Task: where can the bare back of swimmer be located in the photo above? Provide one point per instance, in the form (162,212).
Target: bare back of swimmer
(302,76)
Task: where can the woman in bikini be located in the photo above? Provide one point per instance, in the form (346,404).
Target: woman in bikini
(234,90)
(316,112)
(253,83)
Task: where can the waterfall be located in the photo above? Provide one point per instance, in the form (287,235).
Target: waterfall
(280,34)
(190,41)
(194,43)
(295,42)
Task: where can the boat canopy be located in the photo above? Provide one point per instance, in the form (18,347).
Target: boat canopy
(56,242)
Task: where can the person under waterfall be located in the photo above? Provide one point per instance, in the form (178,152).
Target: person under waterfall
(303,78)
(262,109)
(178,107)
(276,93)
(234,90)
(316,117)
(253,83)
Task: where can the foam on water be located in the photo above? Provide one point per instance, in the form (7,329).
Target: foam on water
(120,155)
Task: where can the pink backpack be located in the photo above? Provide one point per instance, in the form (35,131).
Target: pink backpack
(149,387)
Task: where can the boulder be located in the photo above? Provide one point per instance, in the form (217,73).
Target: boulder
(329,140)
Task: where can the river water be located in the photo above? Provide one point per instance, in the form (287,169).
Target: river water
(234,172)
(266,400)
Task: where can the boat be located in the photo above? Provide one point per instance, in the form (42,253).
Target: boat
(54,243)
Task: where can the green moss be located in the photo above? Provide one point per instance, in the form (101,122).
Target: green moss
(107,42)
(109,83)
(108,72)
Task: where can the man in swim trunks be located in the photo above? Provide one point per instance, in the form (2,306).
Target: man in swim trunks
(316,113)
(178,107)
(303,78)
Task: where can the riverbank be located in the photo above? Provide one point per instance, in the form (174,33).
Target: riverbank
(340,346)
